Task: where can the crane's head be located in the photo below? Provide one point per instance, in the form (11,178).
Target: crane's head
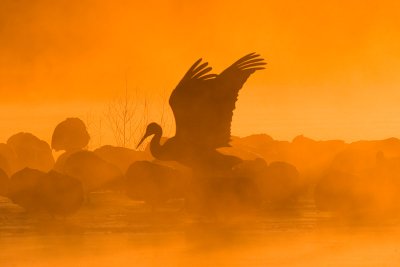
(152,128)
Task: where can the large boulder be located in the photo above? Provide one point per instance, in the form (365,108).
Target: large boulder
(70,135)
(121,157)
(23,189)
(4,183)
(31,152)
(153,183)
(51,192)
(59,194)
(93,172)
(8,159)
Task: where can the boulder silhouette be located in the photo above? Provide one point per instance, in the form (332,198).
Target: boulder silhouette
(8,159)
(354,160)
(251,168)
(383,186)
(93,172)
(365,193)
(360,156)
(4,165)
(153,183)
(23,189)
(342,193)
(31,152)
(121,157)
(4,183)
(224,194)
(311,157)
(279,184)
(60,162)
(390,146)
(263,146)
(51,192)
(59,194)
(70,135)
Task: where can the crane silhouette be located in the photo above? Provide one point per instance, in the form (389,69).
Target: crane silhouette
(203,105)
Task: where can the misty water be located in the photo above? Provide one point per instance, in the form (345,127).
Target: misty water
(112,230)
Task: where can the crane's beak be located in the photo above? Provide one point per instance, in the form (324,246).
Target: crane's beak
(143,138)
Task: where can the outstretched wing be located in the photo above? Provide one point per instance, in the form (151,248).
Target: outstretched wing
(203,103)
(229,82)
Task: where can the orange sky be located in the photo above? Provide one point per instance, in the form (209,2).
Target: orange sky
(332,65)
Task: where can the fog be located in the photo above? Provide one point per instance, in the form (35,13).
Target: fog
(126,138)
(118,232)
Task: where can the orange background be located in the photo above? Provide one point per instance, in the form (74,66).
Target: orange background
(332,65)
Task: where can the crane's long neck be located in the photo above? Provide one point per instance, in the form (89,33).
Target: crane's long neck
(155,145)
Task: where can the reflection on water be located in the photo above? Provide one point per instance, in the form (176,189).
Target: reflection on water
(111,230)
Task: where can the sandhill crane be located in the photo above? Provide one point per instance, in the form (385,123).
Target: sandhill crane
(203,105)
